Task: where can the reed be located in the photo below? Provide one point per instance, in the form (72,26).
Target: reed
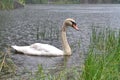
(6,4)
(103,60)
(48,32)
(11,4)
(65,74)
(7,66)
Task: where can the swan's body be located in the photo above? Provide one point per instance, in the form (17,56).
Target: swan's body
(49,50)
(39,49)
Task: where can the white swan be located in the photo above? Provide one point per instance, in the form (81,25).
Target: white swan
(49,50)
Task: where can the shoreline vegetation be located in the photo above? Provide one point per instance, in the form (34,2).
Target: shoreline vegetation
(13,4)
(102,61)
(7,66)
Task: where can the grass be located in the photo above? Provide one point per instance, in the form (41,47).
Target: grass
(103,60)
(66,2)
(6,4)
(65,74)
(7,66)
(9,4)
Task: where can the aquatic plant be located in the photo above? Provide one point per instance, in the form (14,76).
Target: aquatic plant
(65,74)
(22,1)
(103,60)
(36,1)
(51,32)
(7,66)
(6,4)
(11,4)
(66,2)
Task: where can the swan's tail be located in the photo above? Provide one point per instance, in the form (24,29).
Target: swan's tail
(22,49)
(27,50)
(15,47)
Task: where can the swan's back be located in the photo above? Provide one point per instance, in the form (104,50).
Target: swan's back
(39,49)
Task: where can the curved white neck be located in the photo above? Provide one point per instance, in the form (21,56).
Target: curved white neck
(65,44)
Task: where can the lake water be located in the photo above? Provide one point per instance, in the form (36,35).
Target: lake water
(42,23)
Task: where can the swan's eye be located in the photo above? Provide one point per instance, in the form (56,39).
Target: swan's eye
(73,23)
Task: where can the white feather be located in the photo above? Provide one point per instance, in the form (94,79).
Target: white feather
(39,49)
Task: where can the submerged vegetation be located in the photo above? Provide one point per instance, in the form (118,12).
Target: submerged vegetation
(101,63)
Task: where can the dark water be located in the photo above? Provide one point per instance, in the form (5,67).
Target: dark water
(42,23)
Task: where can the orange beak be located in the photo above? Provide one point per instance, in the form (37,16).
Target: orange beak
(75,27)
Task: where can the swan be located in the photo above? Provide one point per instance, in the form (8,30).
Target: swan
(49,50)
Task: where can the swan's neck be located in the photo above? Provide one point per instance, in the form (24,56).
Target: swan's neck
(65,44)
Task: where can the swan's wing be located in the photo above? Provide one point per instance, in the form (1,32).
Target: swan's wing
(39,49)
(46,48)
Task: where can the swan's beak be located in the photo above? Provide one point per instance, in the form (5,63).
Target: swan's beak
(75,27)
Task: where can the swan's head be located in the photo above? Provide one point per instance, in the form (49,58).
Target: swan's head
(71,22)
